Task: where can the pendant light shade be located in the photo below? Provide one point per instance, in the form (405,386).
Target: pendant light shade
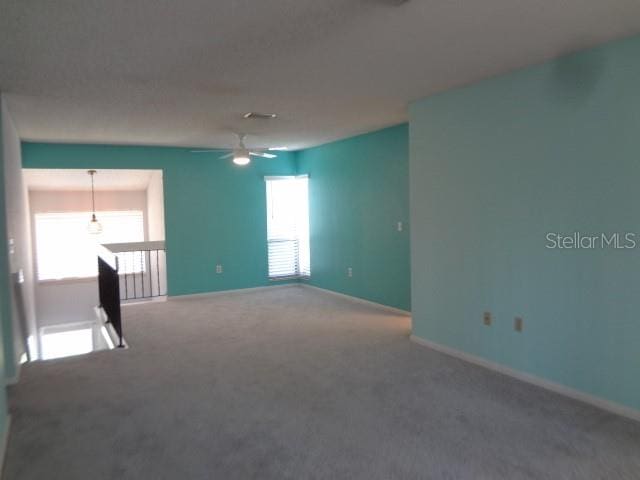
(94,227)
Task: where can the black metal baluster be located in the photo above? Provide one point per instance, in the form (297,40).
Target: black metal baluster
(126,282)
(142,272)
(147,269)
(133,271)
(158,270)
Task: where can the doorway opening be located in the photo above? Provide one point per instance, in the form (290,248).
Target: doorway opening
(72,220)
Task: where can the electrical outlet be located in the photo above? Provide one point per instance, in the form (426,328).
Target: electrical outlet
(349,272)
(486,318)
(218,268)
(399,226)
(518,324)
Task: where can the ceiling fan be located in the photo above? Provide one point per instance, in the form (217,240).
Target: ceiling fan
(241,154)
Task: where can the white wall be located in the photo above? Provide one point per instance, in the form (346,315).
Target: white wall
(60,302)
(80,201)
(19,237)
(155,207)
(68,301)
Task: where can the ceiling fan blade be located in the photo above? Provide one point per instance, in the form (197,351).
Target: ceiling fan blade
(204,151)
(226,155)
(263,154)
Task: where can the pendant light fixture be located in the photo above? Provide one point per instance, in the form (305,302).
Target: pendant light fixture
(94,225)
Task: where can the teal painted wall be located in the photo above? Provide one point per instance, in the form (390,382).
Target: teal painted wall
(5,294)
(214,210)
(497,165)
(358,192)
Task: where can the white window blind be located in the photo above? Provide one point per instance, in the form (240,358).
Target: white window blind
(288,227)
(66,249)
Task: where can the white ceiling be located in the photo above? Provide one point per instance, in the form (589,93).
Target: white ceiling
(183,72)
(79,180)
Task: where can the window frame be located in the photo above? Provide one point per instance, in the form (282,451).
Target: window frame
(301,273)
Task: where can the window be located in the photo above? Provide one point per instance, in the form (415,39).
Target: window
(288,227)
(66,249)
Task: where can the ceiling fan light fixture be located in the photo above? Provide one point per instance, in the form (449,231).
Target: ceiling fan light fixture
(241,157)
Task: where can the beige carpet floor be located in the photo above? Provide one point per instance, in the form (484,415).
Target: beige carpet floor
(293,383)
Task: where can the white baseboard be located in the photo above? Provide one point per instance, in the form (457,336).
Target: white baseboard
(394,310)
(227,292)
(142,301)
(100,314)
(397,311)
(4,442)
(601,403)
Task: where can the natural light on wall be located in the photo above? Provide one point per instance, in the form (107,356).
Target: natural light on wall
(288,227)
(65,249)
(66,340)
(67,343)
